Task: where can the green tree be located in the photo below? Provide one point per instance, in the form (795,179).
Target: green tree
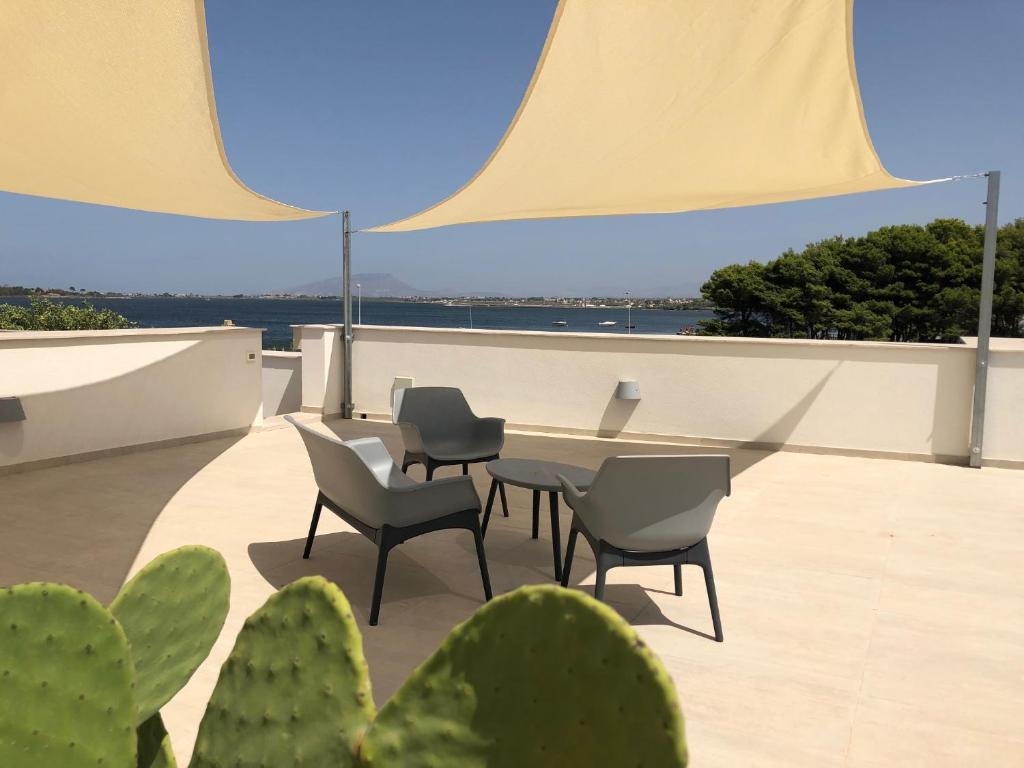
(904,283)
(45,315)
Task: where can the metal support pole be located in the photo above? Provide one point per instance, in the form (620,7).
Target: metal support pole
(346,264)
(988,277)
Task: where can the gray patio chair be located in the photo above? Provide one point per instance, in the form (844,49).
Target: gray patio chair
(650,510)
(439,429)
(360,483)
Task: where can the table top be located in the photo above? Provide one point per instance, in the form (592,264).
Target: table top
(538,475)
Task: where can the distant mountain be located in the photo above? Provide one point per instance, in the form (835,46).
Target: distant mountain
(375,285)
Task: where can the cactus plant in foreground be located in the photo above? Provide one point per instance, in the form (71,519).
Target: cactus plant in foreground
(540,677)
(172,612)
(295,689)
(66,681)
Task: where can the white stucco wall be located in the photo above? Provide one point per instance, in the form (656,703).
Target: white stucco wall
(906,399)
(1004,409)
(321,369)
(86,391)
(282,382)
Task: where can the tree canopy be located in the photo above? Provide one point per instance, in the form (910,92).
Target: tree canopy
(900,283)
(44,315)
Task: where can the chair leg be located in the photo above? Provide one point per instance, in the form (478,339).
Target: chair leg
(678,569)
(603,565)
(478,537)
(465,468)
(312,527)
(556,534)
(536,514)
(430,470)
(704,560)
(378,583)
(504,501)
(570,549)
(406,462)
(490,504)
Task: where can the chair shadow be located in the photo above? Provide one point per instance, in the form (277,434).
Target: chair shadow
(349,560)
(632,601)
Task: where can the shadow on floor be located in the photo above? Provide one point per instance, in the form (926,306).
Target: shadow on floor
(83,523)
(439,568)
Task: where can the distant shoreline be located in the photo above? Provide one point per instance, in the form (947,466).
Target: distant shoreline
(594,302)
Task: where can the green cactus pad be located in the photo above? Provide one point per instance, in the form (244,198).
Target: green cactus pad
(295,689)
(540,677)
(155,749)
(66,681)
(172,611)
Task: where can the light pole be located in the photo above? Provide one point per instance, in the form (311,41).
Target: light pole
(359,289)
(629,314)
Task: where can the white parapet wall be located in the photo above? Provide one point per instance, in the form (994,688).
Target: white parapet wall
(321,368)
(1004,410)
(865,398)
(282,382)
(86,393)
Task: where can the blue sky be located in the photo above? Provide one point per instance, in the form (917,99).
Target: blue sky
(386,107)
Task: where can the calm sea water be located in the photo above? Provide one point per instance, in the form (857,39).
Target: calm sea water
(277,315)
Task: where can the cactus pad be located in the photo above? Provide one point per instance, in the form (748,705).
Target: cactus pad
(66,681)
(295,689)
(155,745)
(172,611)
(540,677)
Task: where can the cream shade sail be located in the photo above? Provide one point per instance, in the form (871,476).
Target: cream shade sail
(658,106)
(111,102)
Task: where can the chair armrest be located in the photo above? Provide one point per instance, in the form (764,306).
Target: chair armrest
(573,495)
(490,429)
(433,499)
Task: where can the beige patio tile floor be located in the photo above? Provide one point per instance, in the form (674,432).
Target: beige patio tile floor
(873,610)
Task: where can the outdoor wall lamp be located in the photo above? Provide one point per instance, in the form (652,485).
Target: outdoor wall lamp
(11,410)
(628,389)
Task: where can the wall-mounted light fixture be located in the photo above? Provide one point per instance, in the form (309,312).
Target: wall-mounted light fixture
(628,389)
(11,410)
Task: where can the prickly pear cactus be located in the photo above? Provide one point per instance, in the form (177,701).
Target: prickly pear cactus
(155,749)
(539,677)
(172,611)
(295,689)
(66,681)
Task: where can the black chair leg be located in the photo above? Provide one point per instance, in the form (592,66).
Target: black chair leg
(536,515)
(504,501)
(603,565)
(406,462)
(383,547)
(556,534)
(430,470)
(570,549)
(312,527)
(487,509)
(709,582)
(678,572)
(465,468)
(478,537)
(701,555)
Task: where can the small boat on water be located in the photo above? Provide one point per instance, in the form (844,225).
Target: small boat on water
(607,322)
(559,322)
(631,327)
